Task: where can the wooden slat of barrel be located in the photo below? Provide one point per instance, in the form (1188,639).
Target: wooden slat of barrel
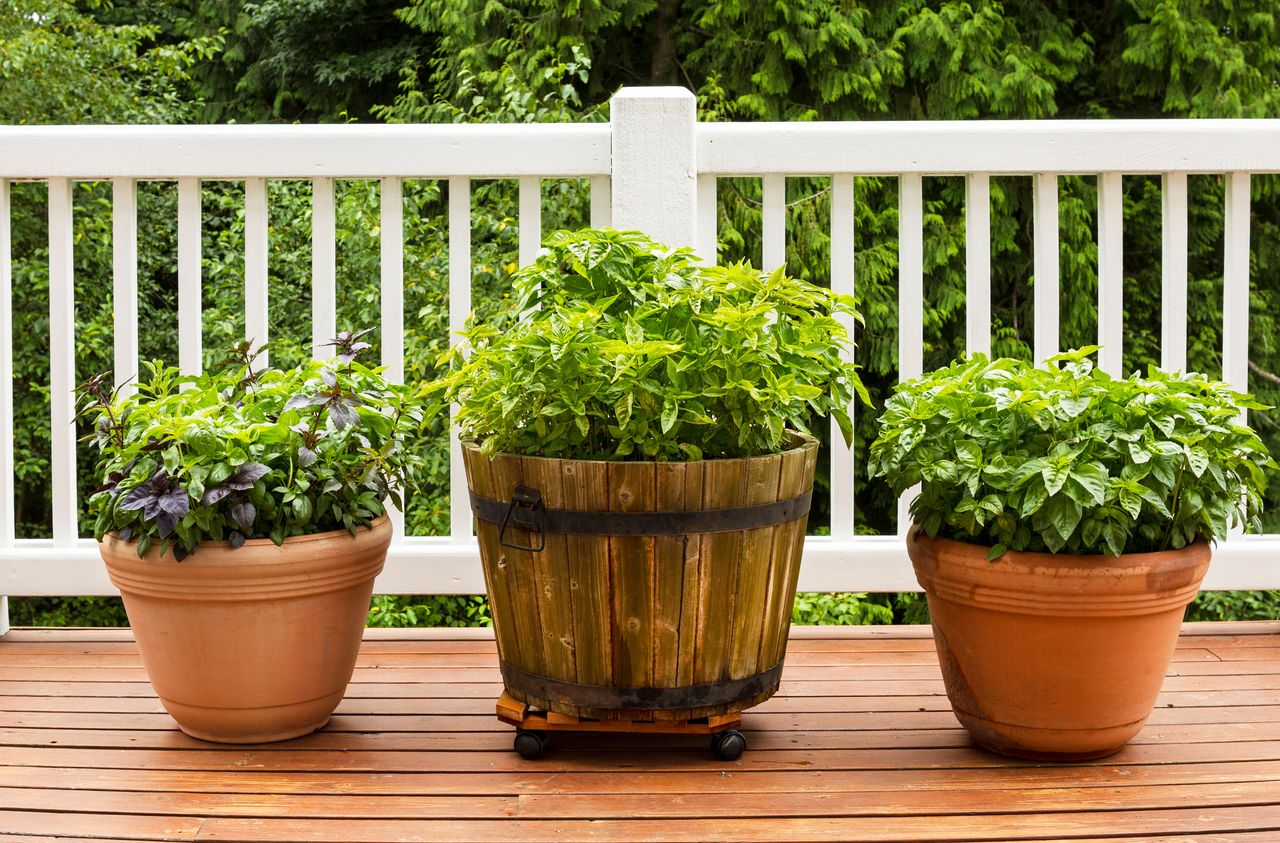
(675,617)
(551,567)
(668,577)
(797,477)
(756,560)
(585,486)
(724,486)
(508,472)
(632,489)
(497,577)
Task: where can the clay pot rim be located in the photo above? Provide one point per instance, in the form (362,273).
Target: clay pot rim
(800,441)
(294,540)
(1047,559)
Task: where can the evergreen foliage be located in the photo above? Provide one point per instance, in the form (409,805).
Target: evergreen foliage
(541,60)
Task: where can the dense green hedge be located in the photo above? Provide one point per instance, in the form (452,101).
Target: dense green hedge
(542,60)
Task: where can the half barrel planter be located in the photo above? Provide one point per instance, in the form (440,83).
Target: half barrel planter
(642,590)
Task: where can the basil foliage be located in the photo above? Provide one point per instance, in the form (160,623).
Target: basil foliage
(1067,458)
(622,348)
(246,453)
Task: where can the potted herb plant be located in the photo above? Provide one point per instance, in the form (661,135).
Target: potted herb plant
(640,472)
(1063,523)
(242,516)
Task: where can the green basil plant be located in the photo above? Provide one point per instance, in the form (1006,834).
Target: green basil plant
(622,348)
(244,452)
(1067,458)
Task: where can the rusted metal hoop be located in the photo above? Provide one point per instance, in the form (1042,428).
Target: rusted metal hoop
(530,514)
(605,697)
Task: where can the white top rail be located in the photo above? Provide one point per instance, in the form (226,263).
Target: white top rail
(997,147)
(559,150)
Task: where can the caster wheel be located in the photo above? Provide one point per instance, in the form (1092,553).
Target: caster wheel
(530,745)
(729,746)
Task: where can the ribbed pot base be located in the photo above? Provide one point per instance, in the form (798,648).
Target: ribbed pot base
(1050,656)
(1017,741)
(253,725)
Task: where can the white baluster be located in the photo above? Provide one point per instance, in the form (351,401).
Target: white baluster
(255,264)
(324,268)
(1111,273)
(842,281)
(190,318)
(62,363)
(910,300)
(977,282)
(1173,273)
(460,526)
(1044,222)
(392,296)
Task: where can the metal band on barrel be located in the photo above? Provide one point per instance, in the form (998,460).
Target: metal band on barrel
(603,697)
(666,523)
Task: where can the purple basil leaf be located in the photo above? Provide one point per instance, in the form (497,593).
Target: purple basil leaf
(152,510)
(180,552)
(361,346)
(176,502)
(297,402)
(125,533)
(137,497)
(306,457)
(329,377)
(165,524)
(243,477)
(317,400)
(243,514)
(212,496)
(342,414)
(345,358)
(236,539)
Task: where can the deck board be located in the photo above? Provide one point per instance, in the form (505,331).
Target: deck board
(859,744)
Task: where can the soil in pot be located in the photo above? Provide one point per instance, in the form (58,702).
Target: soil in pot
(255,644)
(1049,656)
(617,595)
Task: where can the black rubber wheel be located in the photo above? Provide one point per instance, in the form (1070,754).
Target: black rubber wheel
(530,745)
(729,746)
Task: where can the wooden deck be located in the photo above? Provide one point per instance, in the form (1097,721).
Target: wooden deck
(859,745)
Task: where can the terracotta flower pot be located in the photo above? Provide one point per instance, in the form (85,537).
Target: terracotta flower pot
(1052,656)
(255,644)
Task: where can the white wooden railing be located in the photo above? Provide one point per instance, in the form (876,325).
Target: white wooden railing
(653,168)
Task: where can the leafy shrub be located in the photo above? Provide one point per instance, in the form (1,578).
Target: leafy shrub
(454,610)
(820,608)
(1068,458)
(1235,606)
(243,453)
(623,348)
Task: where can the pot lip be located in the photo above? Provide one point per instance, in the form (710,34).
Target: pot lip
(293,540)
(915,535)
(799,441)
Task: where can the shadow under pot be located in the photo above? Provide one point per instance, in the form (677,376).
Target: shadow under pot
(1053,656)
(656,587)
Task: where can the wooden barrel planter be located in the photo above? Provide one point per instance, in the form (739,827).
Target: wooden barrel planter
(641,590)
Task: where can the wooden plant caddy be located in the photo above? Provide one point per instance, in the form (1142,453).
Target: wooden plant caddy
(727,742)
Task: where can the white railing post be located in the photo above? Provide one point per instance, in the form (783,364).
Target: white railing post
(655,163)
(62,364)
